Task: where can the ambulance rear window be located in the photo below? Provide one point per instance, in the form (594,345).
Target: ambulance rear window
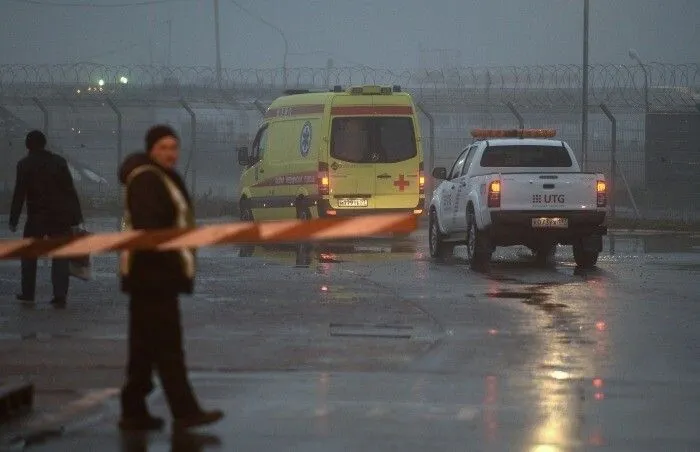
(526,156)
(373,139)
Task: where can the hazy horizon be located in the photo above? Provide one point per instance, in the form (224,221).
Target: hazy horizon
(379,33)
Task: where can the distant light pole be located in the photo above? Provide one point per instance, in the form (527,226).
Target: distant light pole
(218,43)
(286,48)
(584,90)
(274,27)
(286,52)
(635,56)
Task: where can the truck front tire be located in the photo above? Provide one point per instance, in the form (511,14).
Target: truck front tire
(478,245)
(438,248)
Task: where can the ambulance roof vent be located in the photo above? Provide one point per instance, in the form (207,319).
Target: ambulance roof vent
(396,88)
(370,90)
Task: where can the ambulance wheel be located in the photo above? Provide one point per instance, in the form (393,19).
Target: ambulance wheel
(439,249)
(246,215)
(478,246)
(304,249)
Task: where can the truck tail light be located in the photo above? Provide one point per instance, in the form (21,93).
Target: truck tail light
(601,189)
(421,179)
(324,179)
(494,194)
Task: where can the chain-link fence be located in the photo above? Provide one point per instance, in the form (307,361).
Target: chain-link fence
(95,115)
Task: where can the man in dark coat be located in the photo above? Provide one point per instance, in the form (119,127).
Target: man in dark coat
(45,183)
(156,198)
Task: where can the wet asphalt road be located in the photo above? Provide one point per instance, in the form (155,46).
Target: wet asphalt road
(372,346)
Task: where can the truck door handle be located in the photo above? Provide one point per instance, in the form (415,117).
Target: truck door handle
(384,176)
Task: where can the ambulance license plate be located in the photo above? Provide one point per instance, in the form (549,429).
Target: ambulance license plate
(558,223)
(352,202)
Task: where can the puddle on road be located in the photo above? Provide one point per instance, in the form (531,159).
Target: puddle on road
(531,298)
(366,251)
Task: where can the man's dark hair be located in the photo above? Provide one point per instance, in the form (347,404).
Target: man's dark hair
(35,141)
(157,132)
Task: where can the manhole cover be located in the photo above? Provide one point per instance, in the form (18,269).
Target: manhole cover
(371,330)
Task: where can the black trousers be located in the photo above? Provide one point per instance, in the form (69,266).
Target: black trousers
(155,343)
(60,269)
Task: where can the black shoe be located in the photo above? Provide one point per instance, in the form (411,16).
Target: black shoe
(59,302)
(23,297)
(141,423)
(198,420)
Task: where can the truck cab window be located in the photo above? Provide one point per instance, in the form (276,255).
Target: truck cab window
(457,167)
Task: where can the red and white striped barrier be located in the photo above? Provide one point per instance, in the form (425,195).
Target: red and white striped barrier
(245,233)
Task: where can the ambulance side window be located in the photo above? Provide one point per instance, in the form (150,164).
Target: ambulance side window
(260,144)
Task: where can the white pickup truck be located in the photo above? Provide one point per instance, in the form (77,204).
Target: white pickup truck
(517,191)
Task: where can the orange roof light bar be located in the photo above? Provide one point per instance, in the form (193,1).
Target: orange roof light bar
(513,133)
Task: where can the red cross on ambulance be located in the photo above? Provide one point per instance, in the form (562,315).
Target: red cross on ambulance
(401,183)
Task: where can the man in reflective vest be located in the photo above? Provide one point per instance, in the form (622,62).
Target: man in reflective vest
(156,198)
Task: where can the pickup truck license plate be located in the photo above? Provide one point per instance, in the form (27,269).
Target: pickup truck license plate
(352,202)
(559,223)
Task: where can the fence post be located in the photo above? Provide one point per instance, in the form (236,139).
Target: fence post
(120,149)
(192,158)
(613,156)
(45,111)
(431,153)
(614,166)
(516,113)
(118,112)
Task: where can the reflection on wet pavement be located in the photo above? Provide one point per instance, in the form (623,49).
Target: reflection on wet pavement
(392,351)
(179,442)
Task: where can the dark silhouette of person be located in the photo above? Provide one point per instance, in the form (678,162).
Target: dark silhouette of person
(156,198)
(45,183)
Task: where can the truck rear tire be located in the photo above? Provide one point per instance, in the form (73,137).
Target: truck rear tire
(439,249)
(584,258)
(478,245)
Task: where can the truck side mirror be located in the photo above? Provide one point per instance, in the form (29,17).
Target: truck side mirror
(440,173)
(243,157)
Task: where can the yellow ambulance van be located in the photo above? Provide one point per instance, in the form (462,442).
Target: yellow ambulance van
(342,152)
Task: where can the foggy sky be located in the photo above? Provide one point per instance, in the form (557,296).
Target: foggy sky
(379,33)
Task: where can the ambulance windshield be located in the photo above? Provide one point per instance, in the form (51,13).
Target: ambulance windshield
(373,139)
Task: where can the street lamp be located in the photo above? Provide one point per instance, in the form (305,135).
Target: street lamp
(635,56)
(123,80)
(101,82)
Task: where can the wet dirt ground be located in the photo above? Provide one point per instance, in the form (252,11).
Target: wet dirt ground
(370,345)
